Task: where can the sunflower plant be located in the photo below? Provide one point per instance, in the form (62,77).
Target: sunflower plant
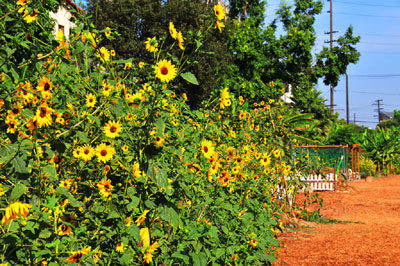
(101,162)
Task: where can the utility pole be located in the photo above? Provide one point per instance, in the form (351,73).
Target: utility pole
(331,32)
(379,110)
(347,98)
(331,46)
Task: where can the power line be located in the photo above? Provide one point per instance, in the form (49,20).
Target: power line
(377,34)
(375,75)
(380,43)
(379,93)
(371,52)
(366,15)
(358,4)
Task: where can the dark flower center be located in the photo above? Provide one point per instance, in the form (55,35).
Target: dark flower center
(43,112)
(113,129)
(103,153)
(86,151)
(205,149)
(164,70)
(46,86)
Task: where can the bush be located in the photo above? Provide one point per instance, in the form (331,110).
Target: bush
(102,162)
(367,167)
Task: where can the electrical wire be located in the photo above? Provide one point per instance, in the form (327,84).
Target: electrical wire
(358,4)
(366,15)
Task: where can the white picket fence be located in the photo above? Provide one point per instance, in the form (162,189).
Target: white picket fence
(320,182)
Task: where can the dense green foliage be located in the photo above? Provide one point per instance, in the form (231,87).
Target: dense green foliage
(103,162)
(137,20)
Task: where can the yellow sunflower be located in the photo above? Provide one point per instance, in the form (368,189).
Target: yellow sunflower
(180,40)
(76,256)
(120,247)
(207,148)
(104,152)
(107,32)
(172,30)
(64,230)
(87,152)
(105,188)
(44,86)
(29,18)
(16,210)
(151,44)
(219,12)
(165,71)
(225,99)
(43,116)
(219,25)
(103,54)
(112,129)
(265,160)
(90,100)
(141,64)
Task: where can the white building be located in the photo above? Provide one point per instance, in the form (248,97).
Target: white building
(63,17)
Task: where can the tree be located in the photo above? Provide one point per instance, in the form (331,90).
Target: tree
(137,20)
(261,57)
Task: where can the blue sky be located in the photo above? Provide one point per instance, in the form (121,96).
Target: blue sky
(377,74)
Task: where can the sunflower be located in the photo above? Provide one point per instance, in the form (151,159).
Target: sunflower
(159,141)
(107,88)
(141,64)
(104,152)
(16,210)
(96,256)
(103,54)
(12,123)
(165,71)
(90,100)
(125,148)
(44,86)
(112,129)
(219,25)
(148,257)
(172,30)
(87,152)
(107,32)
(29,18)
(128,65)
(180,40)
(120,247)
(225,99)
(136,170)
(43,116)
(64,230)
(105,188)
(219,12)
(224,178)
(207,148)
(76,256)
(139,221)
(151,44)
(252,242)
(265,160)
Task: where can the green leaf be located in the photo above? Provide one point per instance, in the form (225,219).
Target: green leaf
(17,192)
(82,136)
(63,191)
(125,259)
(19,165)
(51,172)
(168,214)
(199,259)
(190,77)
(113,215)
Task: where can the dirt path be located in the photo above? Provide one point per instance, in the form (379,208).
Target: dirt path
(373,241)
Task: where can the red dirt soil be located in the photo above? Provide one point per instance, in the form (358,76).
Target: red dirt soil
(375,240)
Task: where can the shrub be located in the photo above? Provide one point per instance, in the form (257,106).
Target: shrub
(102,162)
